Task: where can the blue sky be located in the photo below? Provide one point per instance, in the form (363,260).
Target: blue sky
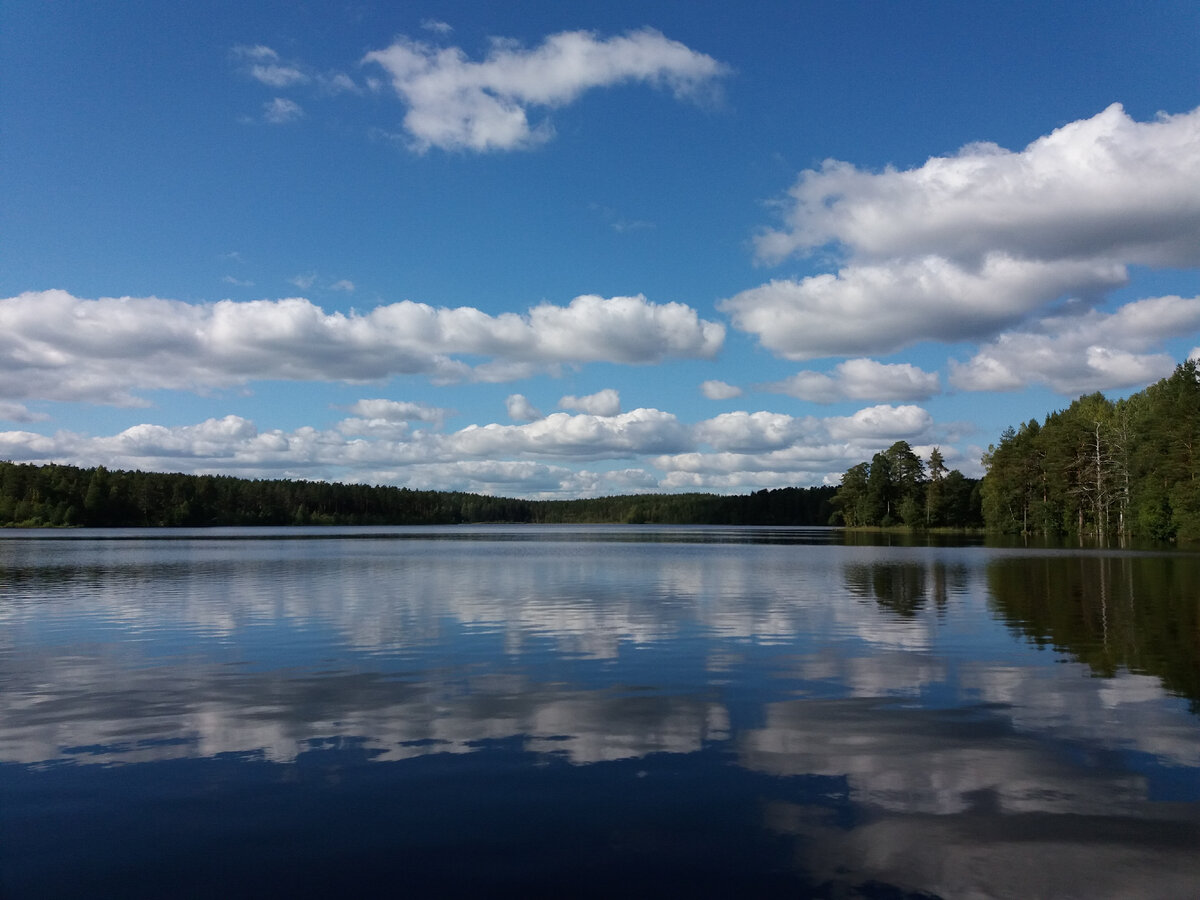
(559,249)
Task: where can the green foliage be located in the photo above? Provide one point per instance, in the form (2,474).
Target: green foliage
(894,488)
(850,501)
(35,496)
(1103,468)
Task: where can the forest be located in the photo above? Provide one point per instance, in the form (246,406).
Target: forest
(1103,468)
(56,495)
(896,488)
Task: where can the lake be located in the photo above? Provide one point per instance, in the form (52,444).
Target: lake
(599,711)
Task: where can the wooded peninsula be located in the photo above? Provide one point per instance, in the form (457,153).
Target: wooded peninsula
(1102,468)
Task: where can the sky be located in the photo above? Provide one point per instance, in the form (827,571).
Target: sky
(555,249)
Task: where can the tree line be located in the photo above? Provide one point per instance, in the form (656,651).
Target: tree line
(896,488)
(1103,468)
(57,495)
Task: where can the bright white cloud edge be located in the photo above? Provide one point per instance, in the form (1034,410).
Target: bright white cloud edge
(59,347)
(966,246)
(455,103)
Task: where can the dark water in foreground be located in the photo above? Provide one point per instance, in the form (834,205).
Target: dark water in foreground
(549,712)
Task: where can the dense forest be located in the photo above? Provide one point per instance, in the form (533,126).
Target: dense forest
(896,488)
(1103,468)
(54,495)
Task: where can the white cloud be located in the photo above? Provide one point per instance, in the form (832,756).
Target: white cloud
(602,403)
(520,409)
(56,346)
(277,76)
(860,379)
(265,66)
(258,51)
(304,280)
(16,412)
(337,83)
(458,104)
(1077,355)
(883,308)
(237,282)
(564,436)
(815,387)
(280,111)
(343,285)
(235,444)
(763,449)
(966,245)
(378,444)
(622,329)
(751,431)
(1105,187)
(398,411)
(436,26)
(719,390)
(890,422)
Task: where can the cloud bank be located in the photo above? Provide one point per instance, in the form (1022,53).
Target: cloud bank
(968,245)
(59,347)
(399,442)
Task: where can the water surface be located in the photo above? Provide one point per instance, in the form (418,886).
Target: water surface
(591,712)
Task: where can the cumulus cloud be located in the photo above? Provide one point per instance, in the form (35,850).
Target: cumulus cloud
(16,412)
(235,444)
(750,431)
(1104,187)
(580,437)
(602,403)
(520,409)
(1077,355)
(382,442)
(966,245)
(57,346)
(455,103)
(280,111)
(860,379)
(882,422)
(749,451)
(623,329)
(398,411)
(719,390)
(882,308)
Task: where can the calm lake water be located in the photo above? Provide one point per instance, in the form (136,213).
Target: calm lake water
(558,712)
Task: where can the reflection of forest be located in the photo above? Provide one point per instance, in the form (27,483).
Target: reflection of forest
(1140,613)
(905,587)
